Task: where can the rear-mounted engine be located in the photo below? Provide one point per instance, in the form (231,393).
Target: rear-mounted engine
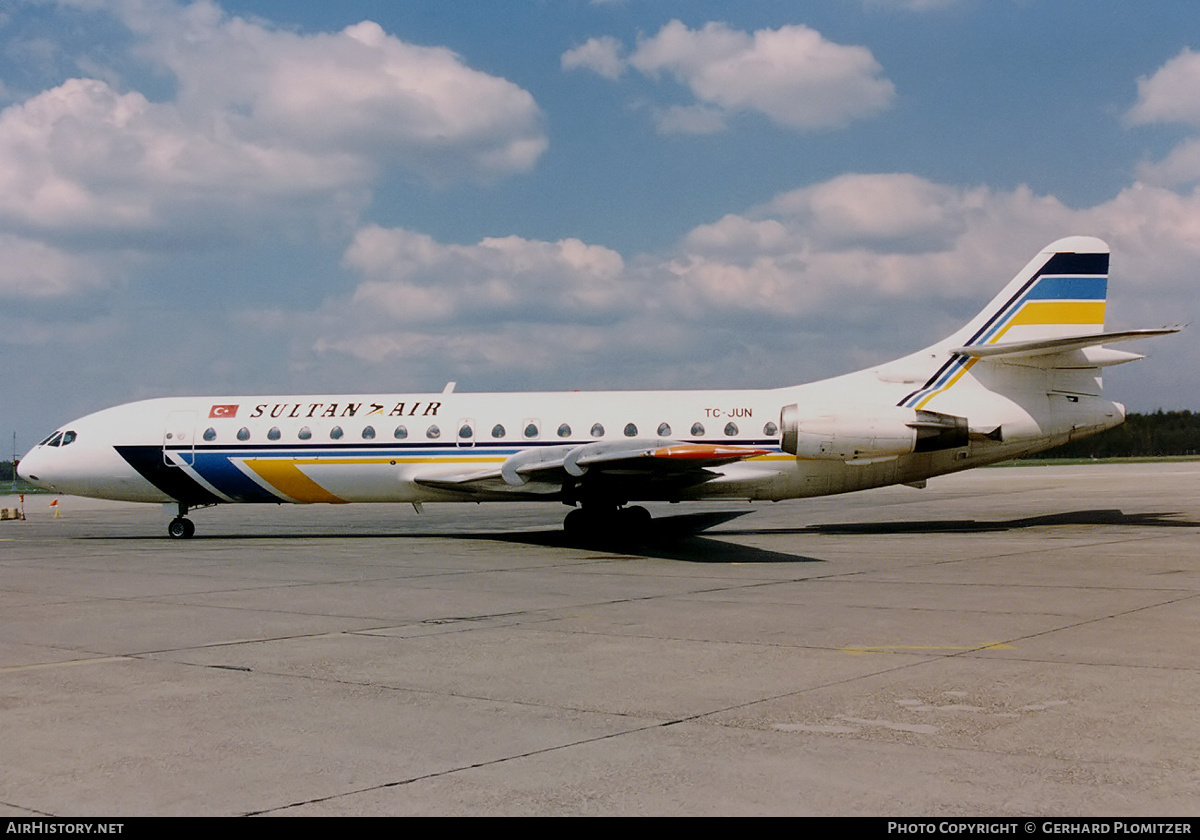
(854,437)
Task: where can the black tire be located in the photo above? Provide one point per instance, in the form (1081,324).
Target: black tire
(180,528)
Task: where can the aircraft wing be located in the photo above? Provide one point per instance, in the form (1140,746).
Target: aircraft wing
(607,465)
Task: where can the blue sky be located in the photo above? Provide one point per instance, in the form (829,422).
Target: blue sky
(306,197)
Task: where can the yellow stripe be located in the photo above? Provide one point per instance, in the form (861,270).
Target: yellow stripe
(1055,312)
(861,649)
(962,371)
(286,477)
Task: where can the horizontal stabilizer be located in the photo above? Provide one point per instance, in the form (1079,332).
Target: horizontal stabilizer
(1047,346)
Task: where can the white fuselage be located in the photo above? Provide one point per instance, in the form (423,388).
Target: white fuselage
(375,447)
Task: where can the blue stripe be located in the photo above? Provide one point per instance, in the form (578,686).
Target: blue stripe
(1069,288)
(222,474)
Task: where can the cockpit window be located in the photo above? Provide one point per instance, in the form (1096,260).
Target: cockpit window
(51,437)
(68,437)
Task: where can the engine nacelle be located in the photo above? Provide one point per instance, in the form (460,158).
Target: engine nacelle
(856,437)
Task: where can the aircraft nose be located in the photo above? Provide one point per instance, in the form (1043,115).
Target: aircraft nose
(25,466)
(34,468)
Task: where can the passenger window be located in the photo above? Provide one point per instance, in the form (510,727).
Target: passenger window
(243,433)
(465,432)
(433,432)
(770,429)
(664,429)
(497,431)
(630,430)
(274,434)
(564,430)
(531,430)
(697,429)
(210,434)
(305,433)
(597,430)
(731,429)
(336,433)
(401,433)
(368,433)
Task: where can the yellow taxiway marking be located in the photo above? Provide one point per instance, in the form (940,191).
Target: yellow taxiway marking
(863,649)
(67,664)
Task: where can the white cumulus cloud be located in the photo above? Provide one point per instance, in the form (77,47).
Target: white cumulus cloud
(792,75)
(600,55)
(266,127)
(411,278)
(1169,95)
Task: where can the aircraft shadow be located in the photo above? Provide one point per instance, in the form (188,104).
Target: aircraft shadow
(974,526)
(666,537)
(678,537)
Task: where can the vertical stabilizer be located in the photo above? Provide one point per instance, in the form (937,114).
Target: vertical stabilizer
(1060,293)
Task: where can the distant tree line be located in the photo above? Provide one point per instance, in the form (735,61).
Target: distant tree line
(1140,436)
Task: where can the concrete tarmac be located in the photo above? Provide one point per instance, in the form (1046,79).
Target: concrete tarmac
(1005,642)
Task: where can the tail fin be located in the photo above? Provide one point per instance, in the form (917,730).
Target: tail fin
(1062,292)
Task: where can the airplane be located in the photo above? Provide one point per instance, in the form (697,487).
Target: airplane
(1021,376)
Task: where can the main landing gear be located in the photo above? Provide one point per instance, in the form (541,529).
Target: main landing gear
(609,522)
(181,528)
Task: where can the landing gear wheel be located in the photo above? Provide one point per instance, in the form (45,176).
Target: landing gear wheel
(180,528)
